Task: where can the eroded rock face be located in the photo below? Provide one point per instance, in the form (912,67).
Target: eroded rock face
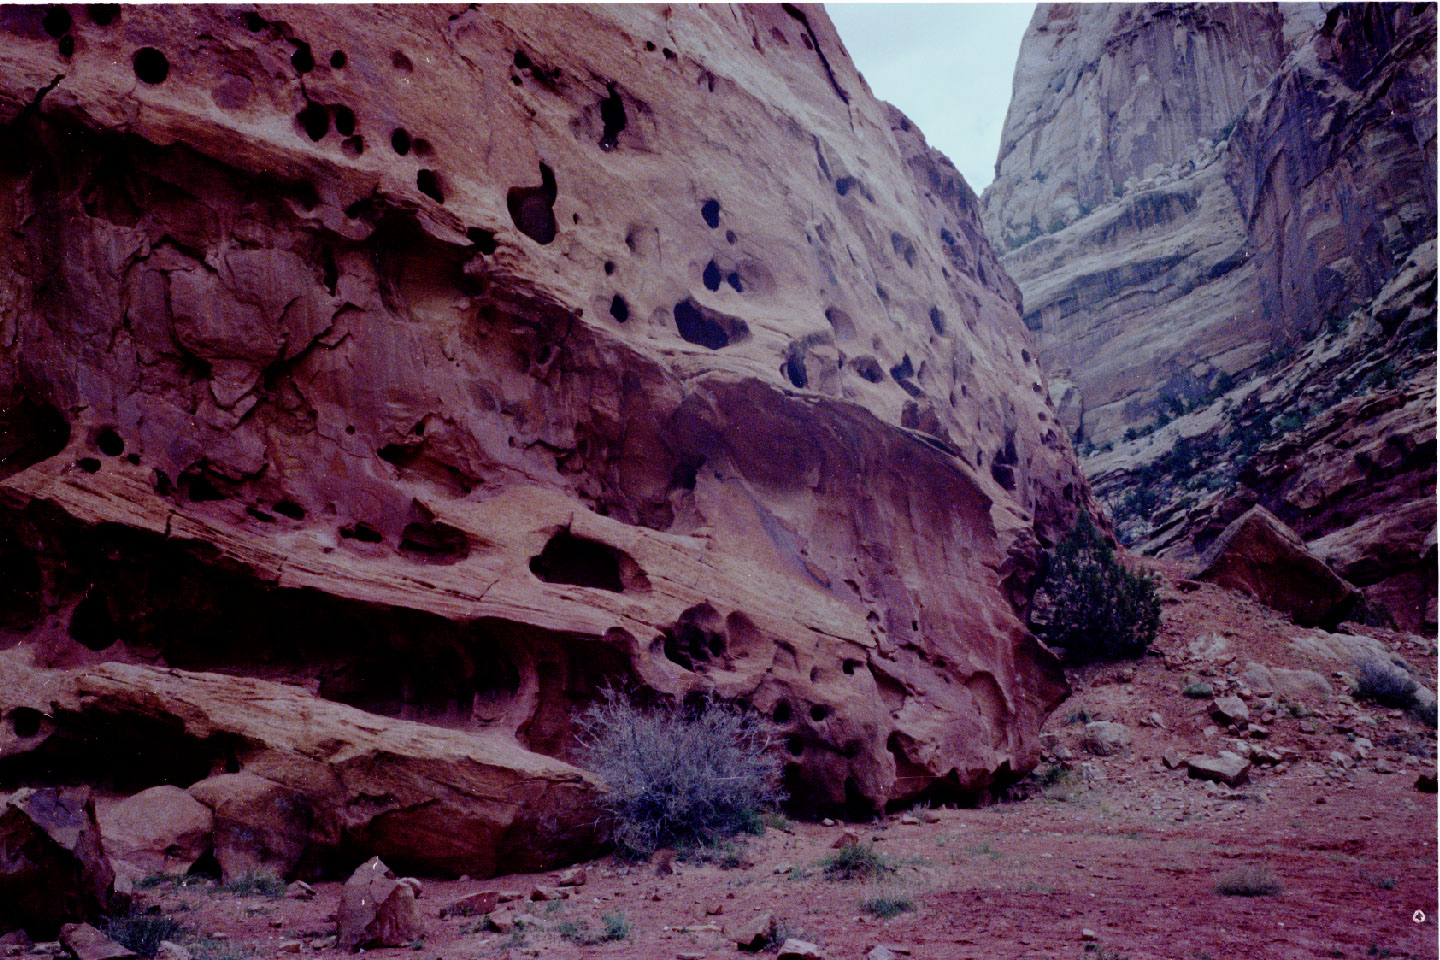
(159,830)
(1257,174)
(453,367)
(53,869)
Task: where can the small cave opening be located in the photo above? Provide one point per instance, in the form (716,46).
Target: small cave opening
(484,240)
(796,747)
(110,443)
(314,120)
(338,60)
(707,328)
(29,433)
(88,464)
(302,59)
(695,639)
(434,543)
(532,209)
(733,278)
(609,267)
(711,277)
(819,712)
(344,120)
(150,66)
(782,713)
(579,562)
(91,623)
(612,115)
(329,270)
(56,21)
(794,367)
(199,488)
(66,46)
(362,532)
(710,211)
(402,63)
(843,185)
(102,14)
(849,667)
(428,182)
(903,370)
(937,320)
(290,509)
(400,141)
(619,309)
(25,722)
(868,368)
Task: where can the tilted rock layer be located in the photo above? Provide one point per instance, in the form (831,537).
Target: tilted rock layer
(1247,177)
(454,363)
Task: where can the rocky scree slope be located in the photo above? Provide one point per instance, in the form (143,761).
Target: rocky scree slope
(445,365)
(1250,180)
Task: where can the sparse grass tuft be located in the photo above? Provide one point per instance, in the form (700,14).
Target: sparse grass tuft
(256,885)
(142,934)
(859,861)
(1385,683)
(1248,882)
(886,906)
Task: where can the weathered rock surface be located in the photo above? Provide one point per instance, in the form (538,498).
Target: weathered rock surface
(1255,173)
(452,367)
(159,830)
(1226,768)
(53,869)
(1259,555)
(377,909)
(87,943)
(1105,738)
(322,781)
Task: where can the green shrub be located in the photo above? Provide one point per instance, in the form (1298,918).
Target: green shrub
(858,861)
(685,778)
(1090,605)
(1248,882)
(886,907)
(142,934)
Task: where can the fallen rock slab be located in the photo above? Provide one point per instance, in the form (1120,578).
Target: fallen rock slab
(87,943)
(1258,555)
(53,868)
(793,949)
(160,830)
(261,828)
(754,933)
(377,909)
(1227,768)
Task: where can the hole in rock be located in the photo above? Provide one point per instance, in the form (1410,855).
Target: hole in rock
(841,323)
(133,459)
(29,433)
(868,368)
(56,21)
(337,60)
(669,54)
(483,239)
(66,45)
(329,270)
(937,319)
(696,637)
(795,745)
(254,22)
(609,267)
(315,120)
(88,464)
(344,121)
(289,508)
(1004,474)
(710,210)
(533,208)
(795,367)
(730,236)
(91,625)
(109,443)
(151,66)
(733,279)
(362,532)
(400,141)
(521,61)
(422,147)
(849,667)
(163,486)
(619,309)
(819,712)
(516,81)
(302,59)
(782,712)
(401,62)
(25,721)
(711,277)
(612,114)
(580,562)
(102,14)
(707,328)
(429,184)
(843,185)
(904,369)
(434,542)
(258,514)
(684,475)
(650,46)
(199,488)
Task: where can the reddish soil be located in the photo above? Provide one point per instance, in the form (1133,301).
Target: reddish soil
(1118,845)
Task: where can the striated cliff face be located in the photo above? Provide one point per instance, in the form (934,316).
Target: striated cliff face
(453,363)
(1259,174)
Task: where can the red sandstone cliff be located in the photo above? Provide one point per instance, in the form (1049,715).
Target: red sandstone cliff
(453,362)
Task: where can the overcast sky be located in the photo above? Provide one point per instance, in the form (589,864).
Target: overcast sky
(948,66)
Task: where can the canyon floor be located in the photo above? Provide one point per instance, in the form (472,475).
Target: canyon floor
(1107,857)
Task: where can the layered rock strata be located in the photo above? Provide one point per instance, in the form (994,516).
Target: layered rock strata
(453,364)
(1248,177)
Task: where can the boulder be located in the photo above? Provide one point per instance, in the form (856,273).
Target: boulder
(261,828)
(160,830)
(1260,556)
(322,776)
(428,428)
(1298,686)
(1229,710)
(53,869)
(470,905)
(87,943)
(1227,768)
(377,909)
(753,934)
(794,949)
(1105,738)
